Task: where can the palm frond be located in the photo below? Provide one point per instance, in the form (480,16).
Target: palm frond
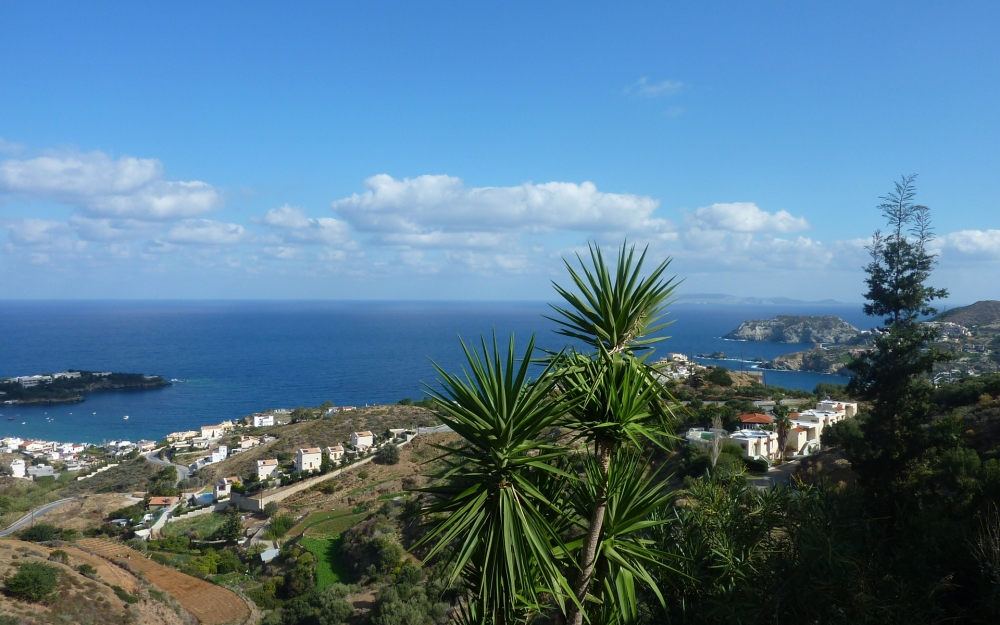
(614,313)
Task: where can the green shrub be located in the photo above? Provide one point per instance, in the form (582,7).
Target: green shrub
(125,595)
(59,556)
(39,533)
(33,581)
(756,465)
(280,524)
(87,570)
(388,454)
(719,376)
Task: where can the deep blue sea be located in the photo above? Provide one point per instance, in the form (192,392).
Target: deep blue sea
(239,357)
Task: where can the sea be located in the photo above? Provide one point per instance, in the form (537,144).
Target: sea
(234,358)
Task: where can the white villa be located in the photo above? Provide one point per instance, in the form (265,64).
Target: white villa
(308,459)
(246,442)
(334,452)
(17,468)
(263,420)
(266,469)
(224,486)
(220,454)
(362,440)
(758,440)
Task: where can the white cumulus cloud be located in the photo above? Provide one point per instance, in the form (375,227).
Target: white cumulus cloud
(441,210)
(124,188)
(744,217)
(206,232)
(969,242)
(294,222)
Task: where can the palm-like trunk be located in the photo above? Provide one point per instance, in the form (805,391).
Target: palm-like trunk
(588,555)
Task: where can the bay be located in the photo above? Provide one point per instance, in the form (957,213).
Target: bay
(239,357)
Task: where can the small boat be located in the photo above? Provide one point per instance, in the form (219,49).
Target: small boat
(125,418)
(10,418)
(23,422)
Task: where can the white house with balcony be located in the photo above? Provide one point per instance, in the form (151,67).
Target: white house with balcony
(757,444)
(362,440)
(308,459)
(223,487)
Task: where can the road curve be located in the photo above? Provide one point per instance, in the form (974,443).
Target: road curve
(154,457)
(34,514)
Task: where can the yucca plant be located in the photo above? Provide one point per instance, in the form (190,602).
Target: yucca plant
(619,312)
(617,401)
(625,555)
(491,511)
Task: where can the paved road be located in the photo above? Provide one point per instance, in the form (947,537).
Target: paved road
(34,514)
(154,457)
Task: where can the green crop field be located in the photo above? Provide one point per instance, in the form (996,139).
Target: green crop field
(327,524)
(329,564)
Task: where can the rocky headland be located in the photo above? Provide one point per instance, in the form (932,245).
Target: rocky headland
(796,329)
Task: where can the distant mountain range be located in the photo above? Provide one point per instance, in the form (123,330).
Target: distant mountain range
(719,298)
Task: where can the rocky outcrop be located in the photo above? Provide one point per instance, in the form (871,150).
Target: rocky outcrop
(819,360)
(795,329)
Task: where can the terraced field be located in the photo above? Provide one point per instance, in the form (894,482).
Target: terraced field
(210,604)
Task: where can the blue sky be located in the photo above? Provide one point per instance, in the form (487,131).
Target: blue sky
(458,150)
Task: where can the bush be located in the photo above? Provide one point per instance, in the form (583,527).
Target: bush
(719,376)
(59,556)
(124,595)
(86,570)
(271,508)
(755,465)
(280,524)
(33,582)
(388,454)
(40,533)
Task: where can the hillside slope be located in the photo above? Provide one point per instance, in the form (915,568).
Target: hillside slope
(984,313)
(320,432)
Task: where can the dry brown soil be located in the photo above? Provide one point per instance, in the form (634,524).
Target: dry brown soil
(210,604)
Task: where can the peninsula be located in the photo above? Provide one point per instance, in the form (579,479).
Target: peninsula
(69,386)
(795,329)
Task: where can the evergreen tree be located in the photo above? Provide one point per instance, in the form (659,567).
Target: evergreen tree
(892,375)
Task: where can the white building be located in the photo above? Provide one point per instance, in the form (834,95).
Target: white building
(66,374)
(224,486)
(308,459)
(334,452)
(17,467)
(220,453)
(266,469)
(263,420)
(181,436)
(213,431)
(362,440)
(246,442)
(757,444)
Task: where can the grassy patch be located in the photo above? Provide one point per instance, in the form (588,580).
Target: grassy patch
(328,523)
(329,563)
(202,526)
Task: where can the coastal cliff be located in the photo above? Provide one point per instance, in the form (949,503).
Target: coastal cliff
(795,329)
(819,360)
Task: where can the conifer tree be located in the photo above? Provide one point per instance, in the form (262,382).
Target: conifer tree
(893,374)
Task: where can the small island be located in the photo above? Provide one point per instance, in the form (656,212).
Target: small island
(796,329)
(69,386)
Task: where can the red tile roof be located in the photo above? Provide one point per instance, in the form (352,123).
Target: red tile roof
(755,417)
